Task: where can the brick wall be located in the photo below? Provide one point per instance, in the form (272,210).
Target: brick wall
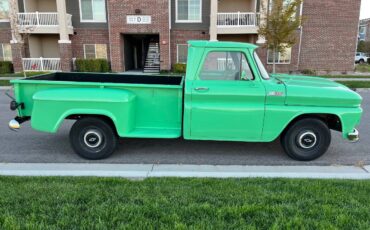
(329,34)
(5,35)
(182,37)
(88,36)
(118,10)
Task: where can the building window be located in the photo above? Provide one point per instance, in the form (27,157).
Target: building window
(95,51)
(4,10)
(182,53)
(280,58)
(188,11)
(92,11)
(5,52)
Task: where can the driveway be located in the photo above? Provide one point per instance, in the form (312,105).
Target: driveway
(29,146)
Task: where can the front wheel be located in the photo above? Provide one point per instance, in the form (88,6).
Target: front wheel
(306,140)
(93,138)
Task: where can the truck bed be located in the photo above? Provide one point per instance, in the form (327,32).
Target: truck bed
(153,107)
(110,78)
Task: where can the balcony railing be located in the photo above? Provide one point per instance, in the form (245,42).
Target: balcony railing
(41,19)
(41,64)
(237,19)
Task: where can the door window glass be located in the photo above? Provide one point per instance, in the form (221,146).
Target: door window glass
(226,66)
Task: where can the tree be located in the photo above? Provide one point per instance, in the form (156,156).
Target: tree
(19,33)
(364,47)
(280,25)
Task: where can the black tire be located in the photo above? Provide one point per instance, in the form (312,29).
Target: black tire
(362,61)
(93,138)
(306,139)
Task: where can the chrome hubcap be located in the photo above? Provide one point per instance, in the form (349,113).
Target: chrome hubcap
(307,140)
(93,138)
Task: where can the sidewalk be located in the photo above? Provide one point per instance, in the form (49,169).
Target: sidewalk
(141,171)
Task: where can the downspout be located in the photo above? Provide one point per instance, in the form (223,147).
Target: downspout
(109,34)
(300,39)
(169,34)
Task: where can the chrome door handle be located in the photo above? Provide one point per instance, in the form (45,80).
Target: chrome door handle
(201,88)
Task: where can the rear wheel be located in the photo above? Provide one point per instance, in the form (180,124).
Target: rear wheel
(306,140)
(93,138)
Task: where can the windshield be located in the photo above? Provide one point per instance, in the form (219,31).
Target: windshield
(263,71)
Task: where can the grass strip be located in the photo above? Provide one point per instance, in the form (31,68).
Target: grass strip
(362,68)
(355,84)
(343,76)
(169,203)
(28,74)
(4,83)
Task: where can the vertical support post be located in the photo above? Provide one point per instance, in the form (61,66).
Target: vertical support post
(213,20)
(42,63)
(37,18)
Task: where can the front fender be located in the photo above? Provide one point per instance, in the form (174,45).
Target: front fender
(52,106)
(277,118)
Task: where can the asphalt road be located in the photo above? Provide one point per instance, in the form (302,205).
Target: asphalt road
(29,146)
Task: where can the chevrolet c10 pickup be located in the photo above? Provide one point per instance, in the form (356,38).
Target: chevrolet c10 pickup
(227,95)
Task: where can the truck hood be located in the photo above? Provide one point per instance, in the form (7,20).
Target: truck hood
(316,91)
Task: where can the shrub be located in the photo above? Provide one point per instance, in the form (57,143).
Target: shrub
(92,65)
(179,68)
(6,67)
(308,72)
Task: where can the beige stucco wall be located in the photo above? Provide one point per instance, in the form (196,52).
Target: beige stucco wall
(41,5)
(236,5)
(44,46)
(249,38)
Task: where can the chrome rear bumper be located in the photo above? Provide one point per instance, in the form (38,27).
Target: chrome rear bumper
(353,136)
(15,124)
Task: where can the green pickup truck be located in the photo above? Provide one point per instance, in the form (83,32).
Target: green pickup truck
(227,95)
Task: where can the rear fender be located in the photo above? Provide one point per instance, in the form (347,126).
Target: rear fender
(52,106)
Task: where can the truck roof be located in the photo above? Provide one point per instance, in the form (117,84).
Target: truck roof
(218,44)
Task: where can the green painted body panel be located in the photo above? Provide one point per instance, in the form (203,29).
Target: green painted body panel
(146,111)
(257,110)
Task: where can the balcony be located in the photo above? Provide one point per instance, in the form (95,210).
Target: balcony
(42,23)
(238,23)
(41,64)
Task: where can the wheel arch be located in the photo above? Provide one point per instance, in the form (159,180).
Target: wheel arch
(333,121)
(76,115)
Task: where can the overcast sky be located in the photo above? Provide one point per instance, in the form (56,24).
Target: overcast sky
(365,9)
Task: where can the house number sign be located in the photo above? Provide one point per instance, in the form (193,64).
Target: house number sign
(139,19)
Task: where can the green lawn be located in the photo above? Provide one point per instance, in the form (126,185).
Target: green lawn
(106,203)
(363,68)
(356,84)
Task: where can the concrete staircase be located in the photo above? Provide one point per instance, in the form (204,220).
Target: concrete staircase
(152,61)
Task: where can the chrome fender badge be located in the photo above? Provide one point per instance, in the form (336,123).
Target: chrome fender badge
(276,93)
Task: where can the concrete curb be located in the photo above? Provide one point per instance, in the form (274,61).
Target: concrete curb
(5,87)
(141,171)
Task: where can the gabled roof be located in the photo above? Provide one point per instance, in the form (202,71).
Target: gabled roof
(217,44)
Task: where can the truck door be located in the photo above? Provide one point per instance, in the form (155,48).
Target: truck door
(227,100)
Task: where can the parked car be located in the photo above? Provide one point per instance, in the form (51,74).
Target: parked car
(361,58)
(227,95)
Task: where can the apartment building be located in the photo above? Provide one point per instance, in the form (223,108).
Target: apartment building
(364,30)
(152,35)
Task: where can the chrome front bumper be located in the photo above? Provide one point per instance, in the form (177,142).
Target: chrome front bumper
(353,136)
